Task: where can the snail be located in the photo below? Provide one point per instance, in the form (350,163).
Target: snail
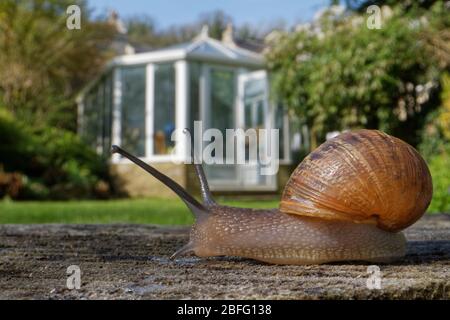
(348,200)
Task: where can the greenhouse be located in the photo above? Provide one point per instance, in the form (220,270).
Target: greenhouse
(140,99)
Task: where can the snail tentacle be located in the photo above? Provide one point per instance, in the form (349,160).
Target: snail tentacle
(196,207)
(207,197)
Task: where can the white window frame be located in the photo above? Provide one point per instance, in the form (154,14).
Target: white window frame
(287,157)
(207,69)
(269,120)
(181,105)
(116,126)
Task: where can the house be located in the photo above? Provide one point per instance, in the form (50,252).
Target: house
(140,98)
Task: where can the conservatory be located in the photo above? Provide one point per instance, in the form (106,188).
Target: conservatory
(140,99)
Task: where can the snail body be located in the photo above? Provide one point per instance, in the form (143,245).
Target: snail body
(347,200)
(276,237)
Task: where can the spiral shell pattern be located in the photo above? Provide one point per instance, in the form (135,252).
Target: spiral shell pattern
(363,176)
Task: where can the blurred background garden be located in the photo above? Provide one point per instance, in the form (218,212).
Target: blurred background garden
(329,69)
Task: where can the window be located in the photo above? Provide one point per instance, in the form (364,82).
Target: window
(222,99)
(194,93)
(107,114)
(164,108)
(100,110)
(133,109)
(90,119)
(96,128)
(221,116)
(254,104)
(279,124)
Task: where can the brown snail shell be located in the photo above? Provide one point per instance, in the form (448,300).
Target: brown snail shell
(364,176)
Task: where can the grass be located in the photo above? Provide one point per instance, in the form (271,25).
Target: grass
(153,211)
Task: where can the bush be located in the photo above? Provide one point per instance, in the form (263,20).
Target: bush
(10,184)
(439,167)
(435,147)
(337,68)
(55,163)
(433,141)
(15,144)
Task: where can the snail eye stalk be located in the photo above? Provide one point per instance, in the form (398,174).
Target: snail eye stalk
(196,207)
(208,199)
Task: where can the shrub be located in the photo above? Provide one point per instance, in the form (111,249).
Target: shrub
(55,163)
(10,184)
(337,68)
(439,167)
(435,147)
(15,144)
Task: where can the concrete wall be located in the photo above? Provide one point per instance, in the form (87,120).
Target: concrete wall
(137,183)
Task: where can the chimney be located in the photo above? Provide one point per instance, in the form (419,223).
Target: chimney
(227,36)
(115,21)
(204,33)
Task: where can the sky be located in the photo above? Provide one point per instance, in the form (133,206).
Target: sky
(176,12)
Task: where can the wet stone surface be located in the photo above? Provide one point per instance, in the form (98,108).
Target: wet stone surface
(132,262)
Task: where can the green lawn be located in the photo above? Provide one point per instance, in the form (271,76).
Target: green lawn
(155,211)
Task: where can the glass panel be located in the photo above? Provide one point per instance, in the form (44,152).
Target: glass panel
(254,94)
(279,124)
(221,116)
(254,108)
(164,113)
(254,114)
(89,119)
(97,114)
(194,93)
(260,115)
(93,117)
(255,117)
(133,109)
(107,114)
(254,88)
(207,49)
(222,99)
(100,109)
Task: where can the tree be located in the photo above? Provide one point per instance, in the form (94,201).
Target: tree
(43,64)
(361,5)
(217,22)
(338,74)
(143,30)
(435,147)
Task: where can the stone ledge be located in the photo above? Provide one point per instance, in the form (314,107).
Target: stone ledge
(131,262)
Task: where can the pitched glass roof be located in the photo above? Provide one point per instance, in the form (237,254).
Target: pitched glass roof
(200,48)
